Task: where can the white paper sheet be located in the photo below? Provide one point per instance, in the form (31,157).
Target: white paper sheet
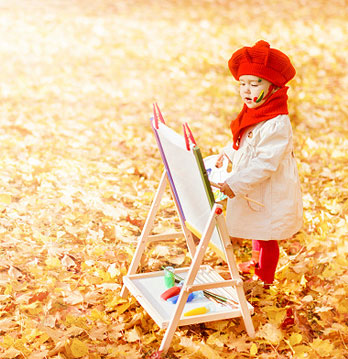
(187,180)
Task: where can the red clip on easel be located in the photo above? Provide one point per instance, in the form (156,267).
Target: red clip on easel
(157,116)
(188,136)
(189,139)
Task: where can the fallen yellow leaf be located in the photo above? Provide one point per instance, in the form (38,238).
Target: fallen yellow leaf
(133,335)
(10,354)
(322,347)
(295,339)
(270,333)
(78,348)
(52,262)
(253,349)
(5,198)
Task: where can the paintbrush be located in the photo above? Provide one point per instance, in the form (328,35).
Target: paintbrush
(245,197)
(212,296)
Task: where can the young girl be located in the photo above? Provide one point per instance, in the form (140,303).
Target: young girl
(263,163)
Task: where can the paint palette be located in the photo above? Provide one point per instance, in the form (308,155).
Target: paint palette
(217,175)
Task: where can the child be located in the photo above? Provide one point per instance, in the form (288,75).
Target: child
(263,163)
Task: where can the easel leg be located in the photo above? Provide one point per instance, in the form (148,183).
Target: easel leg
(249,326)
(192,273)
(189,239)
(188,236)
(146,230)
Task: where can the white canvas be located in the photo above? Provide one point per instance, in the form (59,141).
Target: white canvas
(187,180)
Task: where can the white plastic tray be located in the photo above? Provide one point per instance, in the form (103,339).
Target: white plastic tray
(148,287)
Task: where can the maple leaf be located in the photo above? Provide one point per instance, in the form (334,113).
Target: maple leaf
(67,261)
(6,324)
(271,333)
(78,348)
(15,272)
(40,296)
(10,353)
(133,335)
(323,347)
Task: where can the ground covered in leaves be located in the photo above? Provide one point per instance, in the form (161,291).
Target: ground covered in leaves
(79,167)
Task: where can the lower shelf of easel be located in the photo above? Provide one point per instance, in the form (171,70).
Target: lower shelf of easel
(147,288)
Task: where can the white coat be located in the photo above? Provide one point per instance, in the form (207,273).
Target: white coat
(264,169)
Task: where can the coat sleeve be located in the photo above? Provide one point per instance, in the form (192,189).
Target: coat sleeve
(229,151)
(274,139)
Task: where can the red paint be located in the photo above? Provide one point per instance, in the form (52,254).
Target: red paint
(171,292)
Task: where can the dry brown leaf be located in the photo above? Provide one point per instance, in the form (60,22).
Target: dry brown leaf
(6,324)
(10,353)
(68,261)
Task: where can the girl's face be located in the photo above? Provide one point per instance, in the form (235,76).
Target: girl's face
(253,89)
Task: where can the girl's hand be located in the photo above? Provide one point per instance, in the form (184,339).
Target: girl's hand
(226,190)
(220,161)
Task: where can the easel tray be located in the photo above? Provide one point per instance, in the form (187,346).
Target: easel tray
(148,287)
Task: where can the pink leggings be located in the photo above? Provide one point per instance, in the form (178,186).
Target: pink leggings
(268,260)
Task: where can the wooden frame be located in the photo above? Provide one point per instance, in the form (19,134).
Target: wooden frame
(208,224)
(233,288)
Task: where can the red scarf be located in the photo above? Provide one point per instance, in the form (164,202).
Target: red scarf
(275,105)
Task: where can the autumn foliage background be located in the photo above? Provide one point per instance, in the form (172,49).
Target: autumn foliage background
(79,167)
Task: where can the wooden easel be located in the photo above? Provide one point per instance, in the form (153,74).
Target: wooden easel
(216,219)
(196,276)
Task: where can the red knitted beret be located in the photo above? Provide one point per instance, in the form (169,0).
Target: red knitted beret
(263,61)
